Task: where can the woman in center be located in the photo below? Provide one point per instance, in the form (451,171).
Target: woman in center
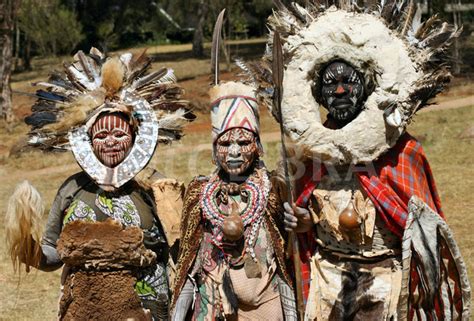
(231,262)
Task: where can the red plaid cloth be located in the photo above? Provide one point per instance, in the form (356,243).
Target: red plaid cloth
(399,174)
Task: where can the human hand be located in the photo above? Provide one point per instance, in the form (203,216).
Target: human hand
(297,219)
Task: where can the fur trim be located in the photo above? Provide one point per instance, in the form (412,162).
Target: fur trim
(113,72)
(402,60)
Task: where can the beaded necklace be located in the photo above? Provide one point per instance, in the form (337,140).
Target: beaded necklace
(257,188)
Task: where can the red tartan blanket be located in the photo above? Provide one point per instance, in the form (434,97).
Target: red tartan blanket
(399,174)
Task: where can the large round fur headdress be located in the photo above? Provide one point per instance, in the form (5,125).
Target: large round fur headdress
(94,84)
(402,60)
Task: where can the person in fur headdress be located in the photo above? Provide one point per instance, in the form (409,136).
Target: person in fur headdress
(103,225)
(231,263)
(373,240)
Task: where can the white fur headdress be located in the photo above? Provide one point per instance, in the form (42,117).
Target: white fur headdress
(402,60)
(94,84)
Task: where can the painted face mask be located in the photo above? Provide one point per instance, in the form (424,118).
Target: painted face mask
(342,91)
(111,139)
(236,150)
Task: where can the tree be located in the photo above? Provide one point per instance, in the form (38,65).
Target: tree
(115,24)
(198,49)
(8,10)
(50,26)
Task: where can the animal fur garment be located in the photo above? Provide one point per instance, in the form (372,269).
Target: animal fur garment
(169,194)
(112,76)
(24,226)
(93,84)
(92,295)
(403,62)
(103,245)
(101,285)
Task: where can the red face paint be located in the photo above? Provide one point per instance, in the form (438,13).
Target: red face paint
(111,139)
(339,90)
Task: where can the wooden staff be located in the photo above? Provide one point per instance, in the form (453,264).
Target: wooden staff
(293,248)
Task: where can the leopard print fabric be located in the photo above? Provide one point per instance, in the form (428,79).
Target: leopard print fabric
(190,236)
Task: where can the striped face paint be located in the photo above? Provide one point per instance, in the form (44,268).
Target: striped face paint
(342,90)
(111,139)
(236,150)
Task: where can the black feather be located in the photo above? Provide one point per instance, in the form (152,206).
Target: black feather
(40,119)
(59,80)
(190,116)
(294,9)
(151,77)
(439,39)
(50,96)
(98,60)
(43,105)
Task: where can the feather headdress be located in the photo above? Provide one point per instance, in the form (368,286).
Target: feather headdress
(94,84)
(403,61)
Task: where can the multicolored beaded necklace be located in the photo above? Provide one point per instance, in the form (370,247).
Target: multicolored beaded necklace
(257,188)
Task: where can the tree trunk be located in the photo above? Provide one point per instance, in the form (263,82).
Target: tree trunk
(198,38)
(7,13)
(27,54)
(17,47)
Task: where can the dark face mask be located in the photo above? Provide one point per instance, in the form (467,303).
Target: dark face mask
(342,91)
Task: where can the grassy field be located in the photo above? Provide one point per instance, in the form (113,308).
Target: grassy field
(34,296)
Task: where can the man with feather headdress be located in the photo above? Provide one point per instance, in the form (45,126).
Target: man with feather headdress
(103,224)
(373,240)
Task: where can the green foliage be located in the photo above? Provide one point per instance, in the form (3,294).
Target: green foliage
(116,24)
(63,26)
(50,26)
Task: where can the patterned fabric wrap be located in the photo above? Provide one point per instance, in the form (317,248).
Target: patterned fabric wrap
(401,173)
(119,208)
(234,111)
(79,210)
(152,283)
